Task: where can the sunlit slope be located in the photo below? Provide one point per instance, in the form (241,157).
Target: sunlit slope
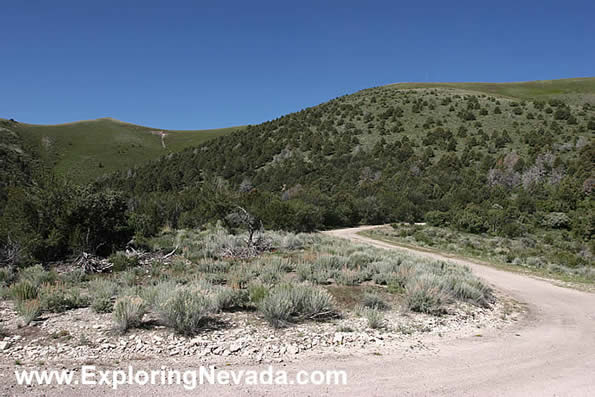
(85,150)
(576,90)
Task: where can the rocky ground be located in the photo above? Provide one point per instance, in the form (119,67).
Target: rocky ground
(84,337)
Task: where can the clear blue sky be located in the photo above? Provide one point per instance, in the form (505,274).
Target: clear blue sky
(195,64)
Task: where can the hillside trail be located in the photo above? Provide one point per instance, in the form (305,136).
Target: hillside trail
(549,353)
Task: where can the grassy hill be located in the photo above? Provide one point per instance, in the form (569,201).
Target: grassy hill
(576,90)
(84,150)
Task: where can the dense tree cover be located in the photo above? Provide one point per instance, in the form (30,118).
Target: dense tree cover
(473,162)
(55,218)
(17,166)
(46,218)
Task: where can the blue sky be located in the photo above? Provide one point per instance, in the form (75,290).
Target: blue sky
(193,64)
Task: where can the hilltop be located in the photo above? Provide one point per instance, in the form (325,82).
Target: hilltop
(576,91)
(84,150)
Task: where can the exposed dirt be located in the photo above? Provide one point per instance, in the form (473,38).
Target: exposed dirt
(550,352)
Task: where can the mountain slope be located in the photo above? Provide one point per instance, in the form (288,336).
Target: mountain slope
(481,162)
(84,150)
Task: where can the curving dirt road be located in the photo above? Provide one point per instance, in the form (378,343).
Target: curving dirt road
(551,353)
(554,354)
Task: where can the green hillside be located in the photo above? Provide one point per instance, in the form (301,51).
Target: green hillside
(393,153)
(85,150)
(577,90)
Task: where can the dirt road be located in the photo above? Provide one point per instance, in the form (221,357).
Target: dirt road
(551,353)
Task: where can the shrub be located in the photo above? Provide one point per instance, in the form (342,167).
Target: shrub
(185,310)
(289,303)
(153,294)
(102,295)
(357,259)
(271,273)
(239,276)
(468,289)
(24,290)
(562,113)
(7,275)
(317,303)
(330,262)
(400,277)
(293,241)
(37,275)
(59,298)
(226,298)
(437,218)
(277,307)
(257,292)
(304,271)
(29,310)
(556,220)
(349,277)
(512,229)
(75,276)
(374,301)
(127,278)
(314,274)
(383,271)
(121,261)
(469,221)
(423,294)
(345,328)
(128,312)
(374,317)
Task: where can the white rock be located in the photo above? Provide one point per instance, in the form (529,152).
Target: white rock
(235,347)
(338,338)
(4,345)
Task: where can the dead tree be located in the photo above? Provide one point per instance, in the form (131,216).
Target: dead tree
(10,253)
(256,242)
(243,219)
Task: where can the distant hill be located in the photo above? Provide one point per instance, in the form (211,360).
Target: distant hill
(84,150)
